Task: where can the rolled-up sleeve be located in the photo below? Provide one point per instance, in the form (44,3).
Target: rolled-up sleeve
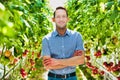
(79,43)
(45,48)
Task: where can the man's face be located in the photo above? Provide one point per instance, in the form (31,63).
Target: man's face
(61,18)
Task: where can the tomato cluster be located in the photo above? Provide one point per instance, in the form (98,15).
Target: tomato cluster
(111,66)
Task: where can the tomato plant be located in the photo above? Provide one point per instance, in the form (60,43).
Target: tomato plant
(23,23)
(99,23)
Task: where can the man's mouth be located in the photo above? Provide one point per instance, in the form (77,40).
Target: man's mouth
(61,22)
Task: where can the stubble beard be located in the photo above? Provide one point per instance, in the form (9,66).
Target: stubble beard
(61,28)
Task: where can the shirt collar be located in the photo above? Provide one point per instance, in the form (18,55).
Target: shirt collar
(55,33)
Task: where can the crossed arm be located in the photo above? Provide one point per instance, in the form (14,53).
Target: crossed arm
(52,63)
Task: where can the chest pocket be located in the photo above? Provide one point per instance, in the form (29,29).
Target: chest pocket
(55,49)
(70,48)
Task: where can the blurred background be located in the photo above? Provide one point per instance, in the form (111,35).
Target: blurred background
(23,23)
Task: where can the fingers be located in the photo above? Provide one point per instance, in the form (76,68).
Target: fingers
(50,62)
(78,53)
(47,62)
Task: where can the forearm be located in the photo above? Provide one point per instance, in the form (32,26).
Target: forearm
(73,61)
(52,63)
(56,67)
(52,66)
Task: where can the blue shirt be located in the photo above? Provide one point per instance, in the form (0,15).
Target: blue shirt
(62,47)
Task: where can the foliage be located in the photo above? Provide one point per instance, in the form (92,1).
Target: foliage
(99,23)
(23,23)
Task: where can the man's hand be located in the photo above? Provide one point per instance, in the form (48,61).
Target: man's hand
(78,53)
(48,63)
(51,62)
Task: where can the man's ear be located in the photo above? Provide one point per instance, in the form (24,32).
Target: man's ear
(53,19)
(68,19)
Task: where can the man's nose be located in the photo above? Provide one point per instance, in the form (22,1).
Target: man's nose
(61,18)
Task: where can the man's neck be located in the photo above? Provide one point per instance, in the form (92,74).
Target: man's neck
(61,31)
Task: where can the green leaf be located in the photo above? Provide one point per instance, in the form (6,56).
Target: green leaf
(114,14)
(17,51)
(2,7)
(109,5)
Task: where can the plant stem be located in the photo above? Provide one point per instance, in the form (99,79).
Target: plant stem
(4,73)
(107,71)
(11,69)
(2,50)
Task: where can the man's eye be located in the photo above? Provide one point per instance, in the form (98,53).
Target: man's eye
(64,16)
(58,17)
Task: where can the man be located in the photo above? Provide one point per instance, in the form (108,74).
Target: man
(62,49)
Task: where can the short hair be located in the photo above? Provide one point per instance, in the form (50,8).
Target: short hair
(62,9)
